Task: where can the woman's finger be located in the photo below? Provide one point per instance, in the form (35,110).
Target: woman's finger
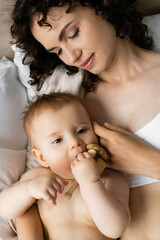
(115,128)
(102,131)
(109,129)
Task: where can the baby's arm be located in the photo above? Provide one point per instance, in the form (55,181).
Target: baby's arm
(38,183)
(106,199)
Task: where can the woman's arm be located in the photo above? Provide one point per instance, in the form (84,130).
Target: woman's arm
(29,225)
(128,152)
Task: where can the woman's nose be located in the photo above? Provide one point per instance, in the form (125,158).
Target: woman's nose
(71,56)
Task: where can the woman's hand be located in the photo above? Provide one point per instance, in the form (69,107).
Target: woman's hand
(128,152)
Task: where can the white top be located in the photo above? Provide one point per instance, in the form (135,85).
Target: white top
(151,134)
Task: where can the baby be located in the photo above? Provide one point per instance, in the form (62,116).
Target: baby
(59,128)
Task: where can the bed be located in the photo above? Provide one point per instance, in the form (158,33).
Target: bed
(15,92)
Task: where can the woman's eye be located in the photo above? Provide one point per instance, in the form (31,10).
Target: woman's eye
(58,140)
(76,33)
(83,130)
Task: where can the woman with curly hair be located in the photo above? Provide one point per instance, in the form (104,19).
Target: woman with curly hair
(108,40)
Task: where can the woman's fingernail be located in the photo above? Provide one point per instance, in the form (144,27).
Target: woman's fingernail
(106,124)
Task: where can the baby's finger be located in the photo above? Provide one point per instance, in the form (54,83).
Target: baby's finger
(50,196)
(53,192)
(62,183)
(76,160)
(56,185)
(87,155)
(79,157)
(83,156)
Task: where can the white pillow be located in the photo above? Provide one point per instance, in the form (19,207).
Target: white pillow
(12,166)
(23,72)
(6,233)
(153,23)
(59,81)
(13,140)
(13,99)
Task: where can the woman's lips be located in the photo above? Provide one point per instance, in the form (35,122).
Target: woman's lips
(87,64)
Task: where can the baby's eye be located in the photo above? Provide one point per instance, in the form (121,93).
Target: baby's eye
(82,130)
(58,140)
(75,34)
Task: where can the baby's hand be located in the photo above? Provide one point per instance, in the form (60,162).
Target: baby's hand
(46,187)
(84,169)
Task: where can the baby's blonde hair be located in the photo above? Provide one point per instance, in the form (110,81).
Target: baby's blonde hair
(54,101)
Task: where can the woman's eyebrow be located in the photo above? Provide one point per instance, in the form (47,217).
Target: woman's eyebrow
(64,30)
(60,37)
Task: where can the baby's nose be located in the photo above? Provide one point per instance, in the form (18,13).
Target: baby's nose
(75,142)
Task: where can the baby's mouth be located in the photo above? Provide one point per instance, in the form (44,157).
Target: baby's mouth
(80,150)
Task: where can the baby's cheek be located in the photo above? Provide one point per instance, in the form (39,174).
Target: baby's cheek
(95,139)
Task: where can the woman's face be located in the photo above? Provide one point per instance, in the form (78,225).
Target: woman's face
(79,38)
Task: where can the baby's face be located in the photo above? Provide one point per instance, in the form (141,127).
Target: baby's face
(60,135)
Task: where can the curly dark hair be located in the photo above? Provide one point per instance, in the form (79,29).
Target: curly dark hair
(121,13)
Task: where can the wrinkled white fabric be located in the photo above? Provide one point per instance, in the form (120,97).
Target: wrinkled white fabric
(151,134)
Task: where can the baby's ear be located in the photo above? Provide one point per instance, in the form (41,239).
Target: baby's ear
(39,157)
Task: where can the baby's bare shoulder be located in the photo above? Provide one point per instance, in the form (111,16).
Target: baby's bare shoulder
(117,185)
(114,180)
(34,173)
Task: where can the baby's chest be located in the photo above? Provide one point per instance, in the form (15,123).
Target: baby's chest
(73,211)
(68,219)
